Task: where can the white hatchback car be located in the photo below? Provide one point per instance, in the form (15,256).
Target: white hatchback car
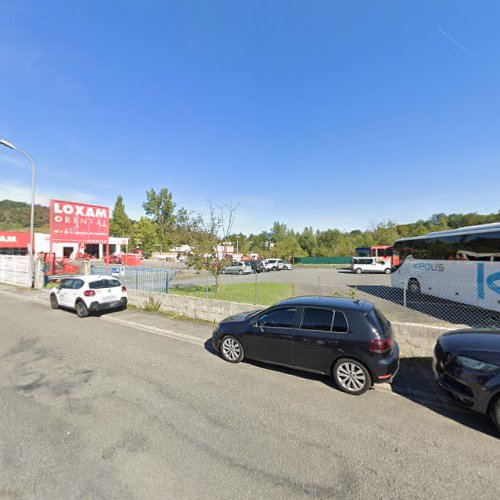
(370,265)
(88,294)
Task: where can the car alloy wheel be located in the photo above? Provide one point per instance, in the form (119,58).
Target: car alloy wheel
(387,271)
(231,349)
(351,376)
(81,310)
(358,271)
(240,272)
(53,302)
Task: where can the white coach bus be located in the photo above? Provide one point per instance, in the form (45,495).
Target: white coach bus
(462,265)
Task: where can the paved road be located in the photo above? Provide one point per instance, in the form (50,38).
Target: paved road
(132,405)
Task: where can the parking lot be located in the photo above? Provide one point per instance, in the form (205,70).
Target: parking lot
(136,405)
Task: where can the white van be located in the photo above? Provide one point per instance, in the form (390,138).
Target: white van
(370,265)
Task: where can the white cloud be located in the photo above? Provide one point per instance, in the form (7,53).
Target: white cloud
(17,192)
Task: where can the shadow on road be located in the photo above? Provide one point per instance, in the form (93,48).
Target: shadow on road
(445,310)
(415,381)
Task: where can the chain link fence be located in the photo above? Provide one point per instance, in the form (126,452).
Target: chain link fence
(398,304)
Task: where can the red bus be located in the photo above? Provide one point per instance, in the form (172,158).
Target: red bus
(382,251)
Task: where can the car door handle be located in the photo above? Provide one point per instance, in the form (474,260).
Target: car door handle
(307,340)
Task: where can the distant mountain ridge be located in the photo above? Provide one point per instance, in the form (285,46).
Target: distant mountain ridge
(15,216)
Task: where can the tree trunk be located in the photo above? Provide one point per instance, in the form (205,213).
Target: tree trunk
(216,284)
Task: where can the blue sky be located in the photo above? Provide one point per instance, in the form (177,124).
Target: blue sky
(324,113)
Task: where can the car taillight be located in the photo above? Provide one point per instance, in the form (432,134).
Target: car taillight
(380,345)
(89,293)
(124,288)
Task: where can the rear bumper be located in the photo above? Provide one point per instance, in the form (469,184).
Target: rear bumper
(104,306)
(385,369)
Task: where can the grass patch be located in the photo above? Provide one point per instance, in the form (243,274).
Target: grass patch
(267,293)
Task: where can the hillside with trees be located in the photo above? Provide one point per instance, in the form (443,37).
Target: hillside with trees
(15,216)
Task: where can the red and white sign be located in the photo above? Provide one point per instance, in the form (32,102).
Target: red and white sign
(78,222)
(10,239)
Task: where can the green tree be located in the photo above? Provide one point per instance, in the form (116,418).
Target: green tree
(279,231)
(307,240)
(145,235)
(161,209)
(120,224)
(288,248)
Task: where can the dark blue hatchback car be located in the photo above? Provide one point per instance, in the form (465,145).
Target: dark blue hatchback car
(348,339)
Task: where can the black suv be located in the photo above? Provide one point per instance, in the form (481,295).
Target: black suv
(348,339)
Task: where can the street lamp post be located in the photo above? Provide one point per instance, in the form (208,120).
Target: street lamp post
(32,217)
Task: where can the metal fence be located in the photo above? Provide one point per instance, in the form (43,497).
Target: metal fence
(138,278)
(15,270)
(398,304)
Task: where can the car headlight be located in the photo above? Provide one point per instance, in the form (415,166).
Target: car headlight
(475,364)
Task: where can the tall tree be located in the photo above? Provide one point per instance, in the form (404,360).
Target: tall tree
(160,208)
(120,224)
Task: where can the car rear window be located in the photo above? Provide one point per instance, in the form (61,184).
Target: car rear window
(105,283)
(380,322)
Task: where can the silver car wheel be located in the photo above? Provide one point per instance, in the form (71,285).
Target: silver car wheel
(351,377)
(231,349)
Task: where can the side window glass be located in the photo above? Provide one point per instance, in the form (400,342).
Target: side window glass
(339,323)
(279,318)
(67,284)
(77,284)
(317,319)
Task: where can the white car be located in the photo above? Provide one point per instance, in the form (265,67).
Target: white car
(370,265)
(277,265)
(285,265)
(88,294)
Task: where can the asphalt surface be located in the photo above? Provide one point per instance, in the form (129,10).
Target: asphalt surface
(133,405)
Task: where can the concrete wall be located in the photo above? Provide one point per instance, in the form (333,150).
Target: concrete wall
(192,307)
(415,340)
